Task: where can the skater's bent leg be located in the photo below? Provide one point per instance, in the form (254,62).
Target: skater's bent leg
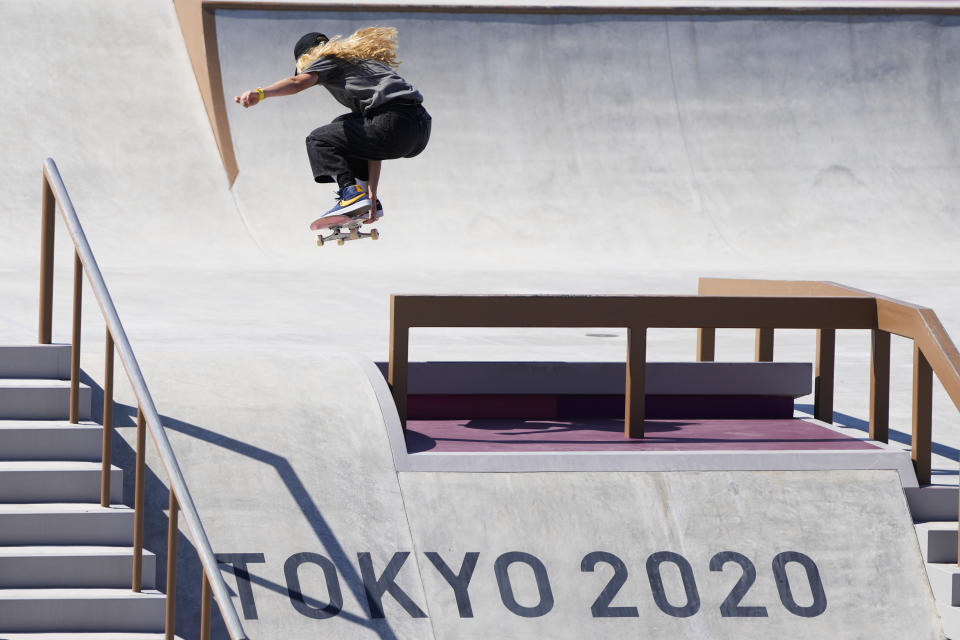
(358,167)
(374,173)
(373,169)
(326,161)
(328,148)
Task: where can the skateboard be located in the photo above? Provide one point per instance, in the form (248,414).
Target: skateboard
(337,223)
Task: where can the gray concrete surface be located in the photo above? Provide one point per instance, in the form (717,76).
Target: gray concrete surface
(796,147)
(631,141)
(757,515)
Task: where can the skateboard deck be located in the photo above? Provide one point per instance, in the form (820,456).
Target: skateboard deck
(337,223)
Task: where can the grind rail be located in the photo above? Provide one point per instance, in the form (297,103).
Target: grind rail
(213,587)
(722,304)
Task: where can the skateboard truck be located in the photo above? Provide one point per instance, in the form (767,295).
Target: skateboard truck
(352,232)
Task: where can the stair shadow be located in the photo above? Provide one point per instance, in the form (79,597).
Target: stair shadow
(189,569)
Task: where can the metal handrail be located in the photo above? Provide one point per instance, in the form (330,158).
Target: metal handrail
(54,191)
(897,317)
(934,353)
(764,305)
(635,313)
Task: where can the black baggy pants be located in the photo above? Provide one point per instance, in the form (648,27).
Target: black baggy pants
(341,149)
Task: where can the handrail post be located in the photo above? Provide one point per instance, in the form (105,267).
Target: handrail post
(75,347)
(706,344)
(763,345)
(398,368)
(920,443)
(138,503)
(635,405)
(172,530)
(47,236)
(107,451)
(823,382)
(880,386)
(205,602)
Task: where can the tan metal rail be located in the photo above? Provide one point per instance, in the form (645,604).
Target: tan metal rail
(635,313)
(55,196)
(933,352)
(760,304)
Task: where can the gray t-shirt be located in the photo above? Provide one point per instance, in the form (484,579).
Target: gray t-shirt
(361,86)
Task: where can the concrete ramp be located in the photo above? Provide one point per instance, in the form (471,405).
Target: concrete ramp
(107,91)
(321,536)
(670,555)
(293,477)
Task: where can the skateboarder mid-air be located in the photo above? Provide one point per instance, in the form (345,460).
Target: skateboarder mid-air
(386,119)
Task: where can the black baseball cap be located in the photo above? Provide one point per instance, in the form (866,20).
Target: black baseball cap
(307,42)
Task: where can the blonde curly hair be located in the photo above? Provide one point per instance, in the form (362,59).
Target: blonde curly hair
(372,43)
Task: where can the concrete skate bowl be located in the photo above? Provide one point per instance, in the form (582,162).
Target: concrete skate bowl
(747,142)
(625,138)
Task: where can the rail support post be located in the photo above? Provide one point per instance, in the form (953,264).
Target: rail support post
(75,347)
(922,415)
(706,344)
(47,235)
(823,383)
(205,604)
(635,409)
(138,502)
(172,531)
(397,368)
(880,386)
(763,346)
(107,450)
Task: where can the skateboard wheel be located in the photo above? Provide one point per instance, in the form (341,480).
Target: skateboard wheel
(374,234)
(339,242)
(354,235)
(319,241)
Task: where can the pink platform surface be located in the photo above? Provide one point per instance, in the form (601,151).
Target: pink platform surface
(783,434)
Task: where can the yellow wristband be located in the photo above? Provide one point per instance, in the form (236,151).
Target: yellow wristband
(260,91)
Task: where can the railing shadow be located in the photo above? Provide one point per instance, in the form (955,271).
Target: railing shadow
(189,569)
(844,420)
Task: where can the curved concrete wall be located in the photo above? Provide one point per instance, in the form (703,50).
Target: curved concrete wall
(632,141)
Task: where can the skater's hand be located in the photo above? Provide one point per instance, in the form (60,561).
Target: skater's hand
(372,194)
(248,99)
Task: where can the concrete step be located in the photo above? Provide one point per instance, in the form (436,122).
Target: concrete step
(65,524)
(28,399)
(88,610)
(933,503)
(938,541)
(50,440)
(950,619)
(86,567)
(35,361)
(31,481)
(945,585)
(938,547)
(944,582)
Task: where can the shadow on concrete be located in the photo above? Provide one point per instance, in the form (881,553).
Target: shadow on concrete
(659,435)
(189,569)
(851,422)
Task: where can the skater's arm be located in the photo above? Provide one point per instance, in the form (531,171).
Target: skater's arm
(286,87)
(373,183)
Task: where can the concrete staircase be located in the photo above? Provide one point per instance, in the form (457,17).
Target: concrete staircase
(938,544)
(65,561)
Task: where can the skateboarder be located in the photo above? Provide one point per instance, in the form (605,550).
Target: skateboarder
(386,118)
